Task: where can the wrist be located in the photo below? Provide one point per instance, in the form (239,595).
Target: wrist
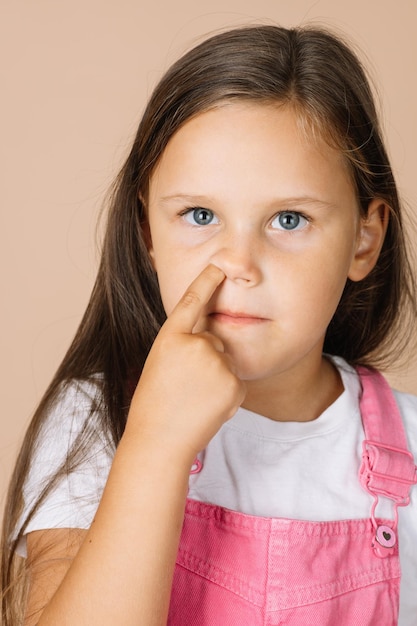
(158,451)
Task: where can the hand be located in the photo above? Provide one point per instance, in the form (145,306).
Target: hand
(188,387)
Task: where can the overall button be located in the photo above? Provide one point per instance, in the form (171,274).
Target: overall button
(385,536)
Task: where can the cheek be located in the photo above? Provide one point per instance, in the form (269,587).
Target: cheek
(328,284)
(174,277)
(176,264)
(170,286)
(321,280)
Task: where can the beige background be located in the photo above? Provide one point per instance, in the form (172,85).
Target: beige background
(75,76)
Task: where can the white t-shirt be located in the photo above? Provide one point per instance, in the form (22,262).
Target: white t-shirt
(299,470)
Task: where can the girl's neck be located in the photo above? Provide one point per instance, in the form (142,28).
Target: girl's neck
(295,398)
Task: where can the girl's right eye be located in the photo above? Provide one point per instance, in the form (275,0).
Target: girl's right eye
(200,217)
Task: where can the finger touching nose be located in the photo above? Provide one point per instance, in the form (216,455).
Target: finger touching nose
(239,262)
(187,312)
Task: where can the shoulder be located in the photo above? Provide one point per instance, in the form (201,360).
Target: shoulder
(69,462)
(73,420)
(407,404)
(78,396)
(76,403)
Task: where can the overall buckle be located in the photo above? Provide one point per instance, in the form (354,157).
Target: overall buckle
(390,472)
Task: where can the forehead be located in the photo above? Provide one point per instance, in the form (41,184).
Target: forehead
(248,148)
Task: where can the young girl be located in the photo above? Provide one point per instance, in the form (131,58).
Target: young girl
(237,463)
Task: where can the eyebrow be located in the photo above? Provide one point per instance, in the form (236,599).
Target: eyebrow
(201,200)
(188,198)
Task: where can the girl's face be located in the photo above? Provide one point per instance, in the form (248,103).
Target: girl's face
(242,188)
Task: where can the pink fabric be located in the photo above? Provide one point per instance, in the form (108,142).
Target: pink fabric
(387,467)
(240,570)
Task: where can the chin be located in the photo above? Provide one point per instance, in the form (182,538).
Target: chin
(251,371)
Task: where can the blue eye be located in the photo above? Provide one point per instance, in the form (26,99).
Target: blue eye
(289,220)
(200,216)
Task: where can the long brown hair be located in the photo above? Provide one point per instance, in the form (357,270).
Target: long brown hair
(306,68)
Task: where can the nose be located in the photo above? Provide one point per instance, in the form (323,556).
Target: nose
(239,258)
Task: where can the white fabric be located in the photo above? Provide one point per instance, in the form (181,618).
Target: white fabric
(253,465)
(74,501)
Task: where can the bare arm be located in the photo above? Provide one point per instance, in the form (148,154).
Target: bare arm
(123,568)
(50,554)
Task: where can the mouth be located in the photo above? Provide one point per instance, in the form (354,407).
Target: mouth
(236,318)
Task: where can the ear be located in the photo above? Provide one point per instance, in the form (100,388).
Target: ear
(372,230)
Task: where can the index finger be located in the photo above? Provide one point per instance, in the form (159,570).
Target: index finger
(186,313)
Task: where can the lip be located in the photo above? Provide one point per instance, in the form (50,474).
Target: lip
(236,317)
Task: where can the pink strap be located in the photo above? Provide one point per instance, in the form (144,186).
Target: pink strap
(387,467)
(378,401)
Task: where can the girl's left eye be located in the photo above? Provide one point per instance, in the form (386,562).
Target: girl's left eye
(200,216)
(289,220)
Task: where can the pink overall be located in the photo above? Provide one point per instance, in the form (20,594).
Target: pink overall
(235,569)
